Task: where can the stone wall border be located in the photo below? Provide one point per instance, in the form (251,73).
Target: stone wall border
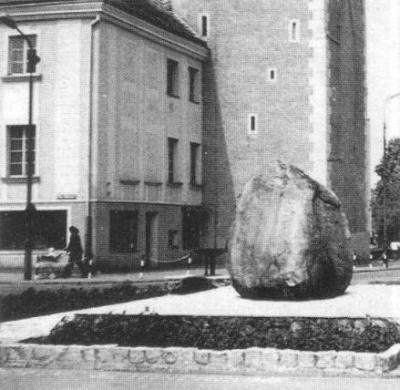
(260,361)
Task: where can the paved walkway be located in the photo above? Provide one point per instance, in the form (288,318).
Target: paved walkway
(9,277)
(44,379)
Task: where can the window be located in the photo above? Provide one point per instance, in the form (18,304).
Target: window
(193,221)
(272,74)
(18,146)
(172,158)
(195,164)
(252,124)
(123,230)
(18,54)
(173,239)
(204,26)
(194,85)
(294,30)
(172,78)
(49,229)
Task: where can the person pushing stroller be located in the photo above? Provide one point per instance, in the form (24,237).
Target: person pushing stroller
(75,251)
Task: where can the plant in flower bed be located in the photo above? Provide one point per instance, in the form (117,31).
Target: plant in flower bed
(33,302)
(219,333)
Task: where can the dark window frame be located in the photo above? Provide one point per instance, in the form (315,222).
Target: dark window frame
(194,85)
(23,62)
(172,78)
(172,159)
(173,235)
(204,25)
(13,151)
(123,231)
(49,229)
(194,163)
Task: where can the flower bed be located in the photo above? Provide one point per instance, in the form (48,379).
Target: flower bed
(221,333)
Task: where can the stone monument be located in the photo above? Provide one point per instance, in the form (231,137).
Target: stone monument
(290,238)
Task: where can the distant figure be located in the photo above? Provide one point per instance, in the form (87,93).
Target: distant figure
(75,251)
(385,259)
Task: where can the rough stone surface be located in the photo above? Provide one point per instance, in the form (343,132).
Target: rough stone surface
(290,238)
(146,359)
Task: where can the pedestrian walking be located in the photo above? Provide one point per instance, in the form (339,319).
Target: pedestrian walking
(75,251)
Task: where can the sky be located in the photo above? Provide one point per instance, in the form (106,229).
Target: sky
(383,74)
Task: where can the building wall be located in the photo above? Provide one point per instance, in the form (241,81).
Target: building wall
(169,217)
(60,105)
(247,39)
(348,160)
(133,118)
(59,96)
(297,114)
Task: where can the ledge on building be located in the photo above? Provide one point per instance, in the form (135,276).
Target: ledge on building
(175,184)
(153,183)
(129,182)
(173,95)
(19,180)
(21,77)
(196,186)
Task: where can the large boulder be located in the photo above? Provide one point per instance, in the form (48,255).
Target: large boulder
(290,238)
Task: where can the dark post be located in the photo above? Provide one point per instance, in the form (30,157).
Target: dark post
(33,59)
(384,182)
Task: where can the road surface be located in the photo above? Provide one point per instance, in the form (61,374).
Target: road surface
(43,379)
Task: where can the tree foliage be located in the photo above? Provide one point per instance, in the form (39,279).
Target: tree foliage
(389,184)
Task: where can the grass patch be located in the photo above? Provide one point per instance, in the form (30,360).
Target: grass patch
(219,333)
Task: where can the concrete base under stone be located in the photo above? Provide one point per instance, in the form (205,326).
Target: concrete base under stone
(359,301)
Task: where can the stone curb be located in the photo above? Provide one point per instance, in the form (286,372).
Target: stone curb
(258,361)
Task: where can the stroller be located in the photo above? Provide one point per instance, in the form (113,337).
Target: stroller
(51,265)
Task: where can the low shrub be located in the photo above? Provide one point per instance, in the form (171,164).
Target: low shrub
(192,284)
(219,333)
(33,302)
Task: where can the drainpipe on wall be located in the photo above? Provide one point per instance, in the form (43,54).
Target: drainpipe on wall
(89,216)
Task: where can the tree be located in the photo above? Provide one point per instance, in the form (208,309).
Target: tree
(389,185)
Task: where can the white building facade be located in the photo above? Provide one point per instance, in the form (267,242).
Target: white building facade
(118,127)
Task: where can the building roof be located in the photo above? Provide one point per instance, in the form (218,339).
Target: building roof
(156,12)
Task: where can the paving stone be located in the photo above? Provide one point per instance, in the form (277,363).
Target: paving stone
(270,358)
(18,356)
(252,359)
(201,357)
(365,361)
(289,358)
(152,355)
(326,359)
(237,359)
(136,356)
(388,360)
(169,357)
(219,360)
(47,355)
(344,360)
(306,360)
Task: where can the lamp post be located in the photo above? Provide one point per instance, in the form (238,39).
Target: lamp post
(384,182)
(33,59)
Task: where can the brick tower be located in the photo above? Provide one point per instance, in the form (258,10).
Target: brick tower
(285,80)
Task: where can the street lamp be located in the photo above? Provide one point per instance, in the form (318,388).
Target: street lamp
(384,182)
(33,59)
